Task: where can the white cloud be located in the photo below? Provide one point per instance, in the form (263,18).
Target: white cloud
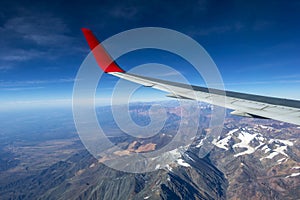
(20,55)
(25,38)
(21,88)
(42,29)
(30,104)
(124,12)
(5,67)
(30,83)
(215,29)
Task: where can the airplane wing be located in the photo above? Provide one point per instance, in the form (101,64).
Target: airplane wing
(247,105)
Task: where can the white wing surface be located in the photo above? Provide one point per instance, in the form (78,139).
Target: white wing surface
(247,105)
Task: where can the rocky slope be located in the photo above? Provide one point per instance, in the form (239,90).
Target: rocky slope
(259,161)
(83,177)
(252,159)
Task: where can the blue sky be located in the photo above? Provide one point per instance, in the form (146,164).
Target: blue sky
(255,44)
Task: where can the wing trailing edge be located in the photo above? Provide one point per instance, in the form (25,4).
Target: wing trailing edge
(246,105)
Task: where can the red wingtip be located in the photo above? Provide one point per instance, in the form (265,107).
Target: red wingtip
(105,62)
(90,38)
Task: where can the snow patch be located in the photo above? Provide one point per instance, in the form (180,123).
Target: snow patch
(169,168)
(293,175)
(281,150)
(183,163)
(92,165)
(297,167)
(264,127)
(175,152)
(190,157)
(271,147)
(281,160)
(286,142)
(271,155)
(277,151)
(223,144)
(260,138)
(200,144)
(260,144)
(245,138)
(232,131)
(266,149)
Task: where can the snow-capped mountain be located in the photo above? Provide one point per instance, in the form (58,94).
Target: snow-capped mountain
(249,140)
(259,161)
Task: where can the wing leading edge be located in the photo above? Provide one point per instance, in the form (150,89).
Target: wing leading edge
(247,105)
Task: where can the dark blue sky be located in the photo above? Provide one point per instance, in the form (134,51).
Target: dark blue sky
(255,44)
